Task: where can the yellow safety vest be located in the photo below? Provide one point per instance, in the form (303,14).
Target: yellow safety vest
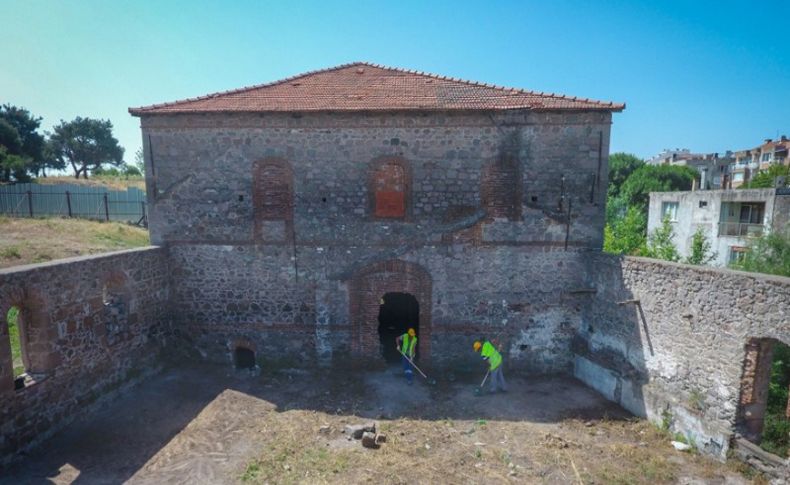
(408,344)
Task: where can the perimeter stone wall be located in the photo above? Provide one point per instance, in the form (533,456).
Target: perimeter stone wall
(88,325)
(678,343)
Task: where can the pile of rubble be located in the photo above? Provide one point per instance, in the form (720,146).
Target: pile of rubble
(366,433)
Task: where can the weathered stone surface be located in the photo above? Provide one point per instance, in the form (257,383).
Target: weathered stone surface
(91,325)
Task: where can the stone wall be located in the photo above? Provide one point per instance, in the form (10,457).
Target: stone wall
(520,295)
(481,216)
(671,341)
(88,325)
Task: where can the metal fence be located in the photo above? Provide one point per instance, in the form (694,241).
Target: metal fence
(32,200)
(740,229)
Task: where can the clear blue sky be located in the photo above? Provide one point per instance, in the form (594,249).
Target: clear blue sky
(704,75)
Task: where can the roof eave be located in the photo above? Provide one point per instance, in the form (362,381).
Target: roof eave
(146,111)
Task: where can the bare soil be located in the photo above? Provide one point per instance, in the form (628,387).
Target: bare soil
(207,424)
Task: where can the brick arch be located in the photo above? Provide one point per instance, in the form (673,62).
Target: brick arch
(117,307)
(755,380)
(389,188)
(36,332)
(500,187)
(272,199)
(369,285)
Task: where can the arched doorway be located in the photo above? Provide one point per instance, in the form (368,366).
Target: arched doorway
(366,288)
(764,408)
(397,313)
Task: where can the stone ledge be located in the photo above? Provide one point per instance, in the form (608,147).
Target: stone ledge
(76,260)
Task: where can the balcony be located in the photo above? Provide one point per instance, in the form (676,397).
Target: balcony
(740,229)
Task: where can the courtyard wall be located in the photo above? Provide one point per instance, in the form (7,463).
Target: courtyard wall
(88,325)
(674,342)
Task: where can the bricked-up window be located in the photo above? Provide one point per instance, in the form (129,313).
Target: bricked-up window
(272,198)
(500,187)
(115,298)
(390,189)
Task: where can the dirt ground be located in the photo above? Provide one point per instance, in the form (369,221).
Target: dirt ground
(206,424)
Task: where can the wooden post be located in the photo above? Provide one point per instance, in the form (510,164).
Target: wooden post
(30,202)
(68,201)
(106,208)
(787,415)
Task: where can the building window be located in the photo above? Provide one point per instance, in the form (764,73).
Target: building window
(669,210)
(390,189)
(703,203)
(16,336)
(272,199)
(767,157)
(737,253)
(737,177)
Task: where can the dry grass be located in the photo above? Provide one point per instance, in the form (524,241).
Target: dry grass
(111,182)
(25,241)
(425,451)
(422,450)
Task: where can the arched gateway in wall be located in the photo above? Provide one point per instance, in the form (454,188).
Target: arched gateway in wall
(369,285)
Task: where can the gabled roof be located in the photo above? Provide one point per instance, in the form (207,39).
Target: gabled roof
(362,86)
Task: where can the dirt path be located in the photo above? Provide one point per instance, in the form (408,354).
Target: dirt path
(211,425)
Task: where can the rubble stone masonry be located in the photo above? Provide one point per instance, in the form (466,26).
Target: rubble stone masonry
(688,347)
(89,325)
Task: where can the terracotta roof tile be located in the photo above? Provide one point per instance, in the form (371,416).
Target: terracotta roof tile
(370,87)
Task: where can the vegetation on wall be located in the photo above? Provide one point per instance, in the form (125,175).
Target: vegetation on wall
(776,428)
(701,252)
(767,178)
(769,253)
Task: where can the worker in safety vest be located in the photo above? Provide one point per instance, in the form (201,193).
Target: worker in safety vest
(491,355)
(407,346)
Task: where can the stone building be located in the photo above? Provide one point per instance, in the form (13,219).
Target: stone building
(293,209)
(307,221)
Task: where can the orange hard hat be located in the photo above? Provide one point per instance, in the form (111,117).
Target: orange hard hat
(477,345)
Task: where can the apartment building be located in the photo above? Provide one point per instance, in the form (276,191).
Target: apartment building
(728,218)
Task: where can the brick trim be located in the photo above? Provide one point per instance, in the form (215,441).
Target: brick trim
(366,288)
(375,169)
(272,197)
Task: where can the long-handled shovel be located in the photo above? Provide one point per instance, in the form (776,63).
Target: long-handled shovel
(479,389)
(430,381)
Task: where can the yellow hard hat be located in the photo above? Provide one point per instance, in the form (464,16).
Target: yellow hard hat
(477,345)
(411,332)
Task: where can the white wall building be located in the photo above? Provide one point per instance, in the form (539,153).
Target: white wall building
(729,218)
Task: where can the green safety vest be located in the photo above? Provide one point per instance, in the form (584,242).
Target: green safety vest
(490,352)
(408,344)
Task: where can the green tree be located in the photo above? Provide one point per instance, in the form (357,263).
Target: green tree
(139,161)
(626,235)
(769,253)
(31,142)
(636,189)
(85,144)
(660,244)
(700,249)
(765,179)
(621,166)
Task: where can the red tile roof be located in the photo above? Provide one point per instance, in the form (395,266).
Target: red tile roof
(370,87)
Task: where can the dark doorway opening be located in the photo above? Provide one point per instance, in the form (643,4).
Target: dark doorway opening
(244,358)
(397,313)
